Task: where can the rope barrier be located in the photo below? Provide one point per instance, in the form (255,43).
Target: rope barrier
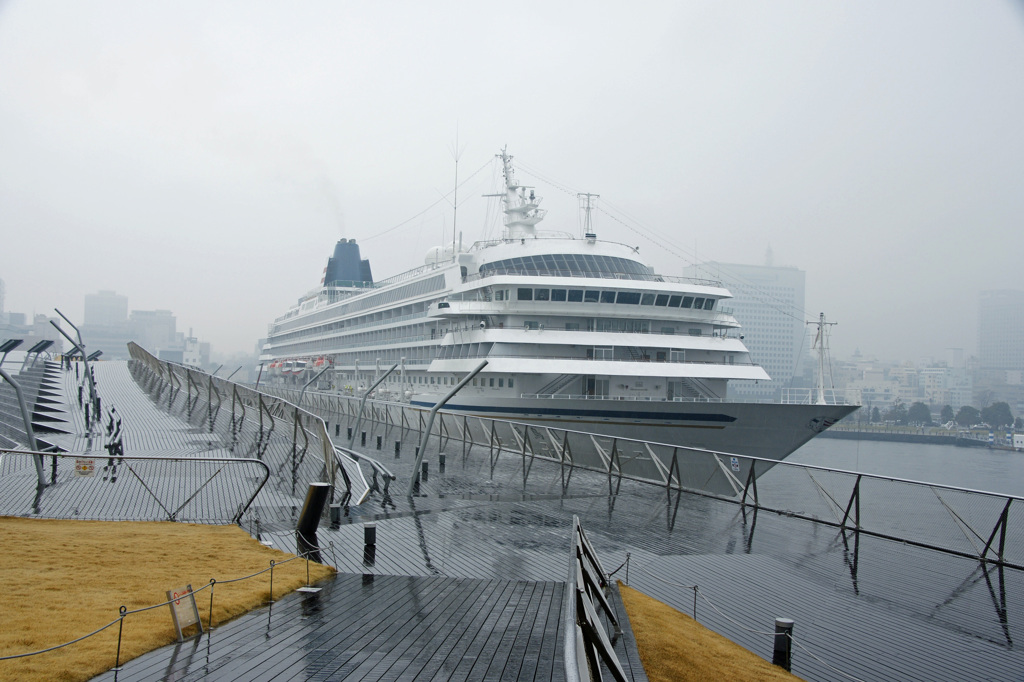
(832,668)
(124,612)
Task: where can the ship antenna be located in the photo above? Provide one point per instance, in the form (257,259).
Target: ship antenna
(821,343)
(456,154)
(586,207)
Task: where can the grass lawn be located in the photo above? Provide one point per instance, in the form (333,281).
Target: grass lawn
(64,579)
(676,648)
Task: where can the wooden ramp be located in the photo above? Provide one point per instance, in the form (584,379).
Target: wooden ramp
(366,627)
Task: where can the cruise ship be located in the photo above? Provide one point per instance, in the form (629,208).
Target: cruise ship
(577,332)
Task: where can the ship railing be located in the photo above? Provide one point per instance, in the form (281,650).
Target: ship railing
(627,398)
(647,360)
(809,396)
(293,441)
(983,525)
(619,276)
(586,644)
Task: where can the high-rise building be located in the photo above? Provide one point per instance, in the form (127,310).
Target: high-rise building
(1001,330)
(768,301)
(1000,373)
(105,309)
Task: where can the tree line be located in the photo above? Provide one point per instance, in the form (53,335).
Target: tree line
(997,415)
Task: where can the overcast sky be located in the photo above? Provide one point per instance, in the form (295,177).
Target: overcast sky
(204,157)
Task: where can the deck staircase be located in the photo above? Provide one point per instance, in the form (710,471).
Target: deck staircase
(557,384)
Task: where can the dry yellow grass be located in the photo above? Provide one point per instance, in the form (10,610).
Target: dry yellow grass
(63,579)
(675,648)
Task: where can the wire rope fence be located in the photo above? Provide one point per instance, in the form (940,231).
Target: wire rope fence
(978,524)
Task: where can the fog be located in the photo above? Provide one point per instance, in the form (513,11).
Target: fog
(205,157)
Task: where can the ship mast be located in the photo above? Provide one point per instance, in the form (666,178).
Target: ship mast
(585,204)
(521,210)
(821,343)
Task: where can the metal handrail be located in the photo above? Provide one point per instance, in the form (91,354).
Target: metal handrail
(585,636)
(276,404)
(159,458)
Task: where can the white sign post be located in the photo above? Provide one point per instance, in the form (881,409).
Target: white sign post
(184,611)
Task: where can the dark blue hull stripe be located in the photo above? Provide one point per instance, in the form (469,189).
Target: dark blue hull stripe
(606,414)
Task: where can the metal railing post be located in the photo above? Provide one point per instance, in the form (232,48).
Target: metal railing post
(430,422)
(362,404)
(27,419)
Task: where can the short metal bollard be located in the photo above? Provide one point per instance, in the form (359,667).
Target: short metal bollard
(337,429)
(370,534)
(348,432)
(380,441)
(440,462)
(362,438)
(335,515)
(783,654)
(425,472)
(398,449)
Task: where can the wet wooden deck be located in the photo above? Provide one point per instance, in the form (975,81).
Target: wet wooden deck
(469,586)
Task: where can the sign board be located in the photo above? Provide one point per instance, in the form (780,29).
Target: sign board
(183,609)
(85,467)
(734,462)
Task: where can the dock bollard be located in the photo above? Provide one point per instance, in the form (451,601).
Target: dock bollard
(335,515)
(425,471)
(370,534)
(440,462)
(362,438)
(783,653)
(337,429)
(348,432)
(380,441)
(398,449)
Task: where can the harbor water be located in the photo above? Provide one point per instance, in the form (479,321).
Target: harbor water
(998,471)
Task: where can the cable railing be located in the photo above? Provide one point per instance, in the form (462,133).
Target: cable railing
(130,488)
(293,442)
(978,524)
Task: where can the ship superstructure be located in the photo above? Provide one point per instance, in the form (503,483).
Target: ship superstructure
(574,330)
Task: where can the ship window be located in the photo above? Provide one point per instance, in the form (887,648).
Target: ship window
(698,303)
(628,297)
(677,355)
(607,297)
(558,294)
(575,295)
(662,299)
(647,299)
(604,353)
(542,294)
(709,304)
(474,381)
(501,383)
(687,301)
(572,326)
(591,296)
(510,382)
(492,382)
(499,295)
(668,330)
(526,294)
(695,332)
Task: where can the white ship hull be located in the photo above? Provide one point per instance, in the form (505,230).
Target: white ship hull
(766,430)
